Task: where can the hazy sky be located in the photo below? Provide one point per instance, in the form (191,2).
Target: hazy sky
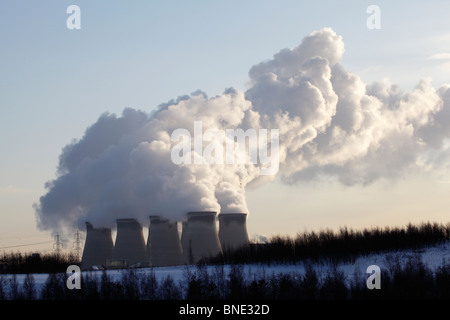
(56,82)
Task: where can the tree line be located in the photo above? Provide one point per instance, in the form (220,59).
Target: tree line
(345,245)
(23,263)
(325,246)
(410,279)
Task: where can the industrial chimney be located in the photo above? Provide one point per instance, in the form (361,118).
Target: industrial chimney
(202,240)
(129,248)
(163,243)
(233,230)
(98,247)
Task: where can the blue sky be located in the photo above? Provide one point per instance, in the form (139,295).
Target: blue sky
(55,82)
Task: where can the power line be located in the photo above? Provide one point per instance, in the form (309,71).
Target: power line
(58,244)
(25,245)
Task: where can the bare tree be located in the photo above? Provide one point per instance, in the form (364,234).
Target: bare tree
(29,287)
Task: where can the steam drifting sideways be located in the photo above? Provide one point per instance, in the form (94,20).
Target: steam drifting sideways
(330,124)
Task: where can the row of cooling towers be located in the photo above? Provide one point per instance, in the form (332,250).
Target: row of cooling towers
(199,239)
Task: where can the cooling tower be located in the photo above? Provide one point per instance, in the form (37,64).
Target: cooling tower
(185,243)
(202,240)
(233,230)
(130,246)
(98,247)
(163,244)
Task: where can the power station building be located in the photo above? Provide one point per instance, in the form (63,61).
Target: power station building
(165,246)
(233,230)
(98,247)
(201,239)
(129,249)
(163,243)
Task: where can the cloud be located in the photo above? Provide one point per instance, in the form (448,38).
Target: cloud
(444,60)
(440,56)
(331,124)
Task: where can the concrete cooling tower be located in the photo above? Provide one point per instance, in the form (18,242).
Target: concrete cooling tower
(98,247)
(163,243)
(130,245)
(184,243)
(233,230)
(201,240)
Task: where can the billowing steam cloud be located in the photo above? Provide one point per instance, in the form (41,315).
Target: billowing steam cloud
(330,124)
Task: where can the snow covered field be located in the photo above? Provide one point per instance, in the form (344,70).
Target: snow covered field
(432,257)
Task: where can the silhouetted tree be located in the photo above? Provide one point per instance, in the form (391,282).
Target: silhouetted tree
(29,287)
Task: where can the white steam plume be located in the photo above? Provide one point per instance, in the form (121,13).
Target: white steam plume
(330,123)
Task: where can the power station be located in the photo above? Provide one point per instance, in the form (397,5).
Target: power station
(98,247)
(163,244)
(129,249)
(233,230)
(166,246)
(201,240)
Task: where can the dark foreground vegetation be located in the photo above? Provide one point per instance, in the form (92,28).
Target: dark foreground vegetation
(36,263)
(337,247)
(410,279)
(224,277)
(324,247)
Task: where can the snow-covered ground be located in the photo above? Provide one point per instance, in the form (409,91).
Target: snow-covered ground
(432,257)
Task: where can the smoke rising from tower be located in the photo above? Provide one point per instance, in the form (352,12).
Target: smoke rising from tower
(330,124)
